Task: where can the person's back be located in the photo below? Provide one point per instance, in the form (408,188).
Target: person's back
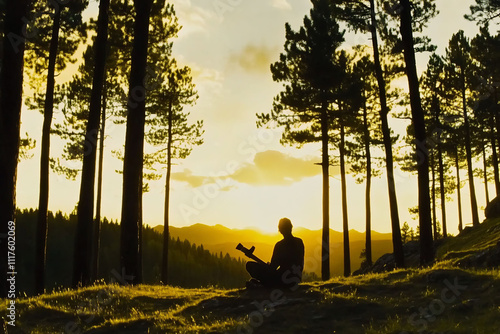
(288,257)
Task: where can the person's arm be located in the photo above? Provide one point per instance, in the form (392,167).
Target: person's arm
(275,259)
(302,253)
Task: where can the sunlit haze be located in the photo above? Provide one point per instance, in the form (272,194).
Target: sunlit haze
(242,176)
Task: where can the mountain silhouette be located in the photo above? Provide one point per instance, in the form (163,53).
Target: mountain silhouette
(219,238)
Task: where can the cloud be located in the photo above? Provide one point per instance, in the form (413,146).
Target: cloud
(269,168)
(254,59)
(187,176)
(208,79)
(281,4)
(193,18)
(276,168)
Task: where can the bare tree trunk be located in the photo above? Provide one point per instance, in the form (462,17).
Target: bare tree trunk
(485,174)
(397,243)
(441,187)
(11,90)
(96,240)
(497,121)
(459,196)
(141,231)
(368,242)
(345,218)
(134,147)
(426,244)
(85,214)
(43,200)
(166,223)
(495,156)
(468,151)
(433,195)
(325,165)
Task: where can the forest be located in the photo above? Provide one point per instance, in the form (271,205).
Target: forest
(192,266)
(340,98)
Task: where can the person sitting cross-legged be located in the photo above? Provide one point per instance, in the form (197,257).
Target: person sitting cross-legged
(287,262)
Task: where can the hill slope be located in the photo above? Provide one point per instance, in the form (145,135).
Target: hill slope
(442,299)
(437,300)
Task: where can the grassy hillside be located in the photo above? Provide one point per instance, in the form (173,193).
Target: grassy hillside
(435,300)
(473,245)
(445,298)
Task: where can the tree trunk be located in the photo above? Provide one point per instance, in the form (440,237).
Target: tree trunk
(43,200)
(368,242)
(433,196)
(85,214)
(495,157)
(166,223)
(345,218)
(384,111)
(141,231)
(485,174)
(96,239)
(459,196)
(11,90)
(497,121)
(134,146)
(426,244)
(325,165)
(441,186)
(468,151)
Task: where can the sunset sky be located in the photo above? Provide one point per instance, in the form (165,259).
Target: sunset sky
(241,176)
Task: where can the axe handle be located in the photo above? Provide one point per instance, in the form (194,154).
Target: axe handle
(249,253)
(253,257)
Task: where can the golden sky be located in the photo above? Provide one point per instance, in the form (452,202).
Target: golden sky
(241,176)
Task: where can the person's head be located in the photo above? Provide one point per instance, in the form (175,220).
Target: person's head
(285,226)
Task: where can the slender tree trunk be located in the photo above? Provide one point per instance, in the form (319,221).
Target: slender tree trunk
(468,151)
(11,90)
(345,218)
(325,165)
(485,174)
(433,195)
(442,186)
(85,214)
(166,223)
(134,147)
(494,156)
(141,231)
(43,200)
(426,244)
(459,196)
(96,240)
(497,121)
(397,243)
(368,242)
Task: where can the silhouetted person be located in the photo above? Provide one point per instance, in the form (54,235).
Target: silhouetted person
(287,262)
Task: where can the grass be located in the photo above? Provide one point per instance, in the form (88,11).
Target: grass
(471,241)
(377,303)
(443,298)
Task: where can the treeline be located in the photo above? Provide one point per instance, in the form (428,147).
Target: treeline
(191,265)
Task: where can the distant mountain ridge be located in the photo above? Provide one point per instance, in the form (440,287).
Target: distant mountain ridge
(219,238)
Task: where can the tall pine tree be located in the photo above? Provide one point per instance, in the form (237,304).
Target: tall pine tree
(312,76)
(11,89)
